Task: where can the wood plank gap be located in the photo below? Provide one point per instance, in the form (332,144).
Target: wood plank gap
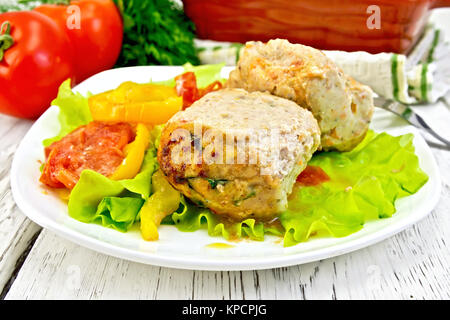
(19,263)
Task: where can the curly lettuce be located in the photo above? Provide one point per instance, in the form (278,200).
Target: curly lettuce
(73,111)
(115,204)
(190,217)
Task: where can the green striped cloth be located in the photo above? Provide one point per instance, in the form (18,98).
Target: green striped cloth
(213,52)
(422,76)
(429,66)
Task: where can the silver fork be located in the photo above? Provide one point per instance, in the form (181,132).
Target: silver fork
(409,115)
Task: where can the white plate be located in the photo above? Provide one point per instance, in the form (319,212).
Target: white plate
(190,250)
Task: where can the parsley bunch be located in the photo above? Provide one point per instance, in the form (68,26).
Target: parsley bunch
(155,32)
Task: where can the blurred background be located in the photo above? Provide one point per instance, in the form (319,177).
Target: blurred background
(396,41)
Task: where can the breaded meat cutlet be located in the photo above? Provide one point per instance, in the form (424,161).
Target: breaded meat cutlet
(342,106)
(266,142)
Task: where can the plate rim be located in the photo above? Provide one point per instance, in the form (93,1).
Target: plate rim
(185,262)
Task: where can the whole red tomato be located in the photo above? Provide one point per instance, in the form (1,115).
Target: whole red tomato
(34,63)
(95,29)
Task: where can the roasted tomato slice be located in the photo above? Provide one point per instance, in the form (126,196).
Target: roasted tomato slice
(97,146)
(216,85)
(186,87)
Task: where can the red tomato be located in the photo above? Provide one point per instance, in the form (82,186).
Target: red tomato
(95,29)
(97,146)
(186,87)
(34,66)
(216,85)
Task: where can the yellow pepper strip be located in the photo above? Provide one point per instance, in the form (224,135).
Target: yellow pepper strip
(134,155)
(133,102)
(164,201)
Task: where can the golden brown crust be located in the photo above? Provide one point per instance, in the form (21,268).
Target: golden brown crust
(342,106)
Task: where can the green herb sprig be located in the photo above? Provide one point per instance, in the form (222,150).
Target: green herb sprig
(156,32)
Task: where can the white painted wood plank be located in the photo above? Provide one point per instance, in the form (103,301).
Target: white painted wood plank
(16,230)
(391,269)
(414,264)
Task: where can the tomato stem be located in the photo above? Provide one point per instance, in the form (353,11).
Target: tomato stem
(6,41)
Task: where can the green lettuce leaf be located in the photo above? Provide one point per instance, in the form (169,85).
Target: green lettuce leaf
(73,111)
(190,217)
(364,184)
(205,74)
(142,183)
(118,213)
(95,197)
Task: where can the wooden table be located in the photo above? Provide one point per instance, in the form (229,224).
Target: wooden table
(37,264)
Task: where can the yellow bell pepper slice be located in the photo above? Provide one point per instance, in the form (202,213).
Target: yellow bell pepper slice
(164,201)
(134,155)
(133,102)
